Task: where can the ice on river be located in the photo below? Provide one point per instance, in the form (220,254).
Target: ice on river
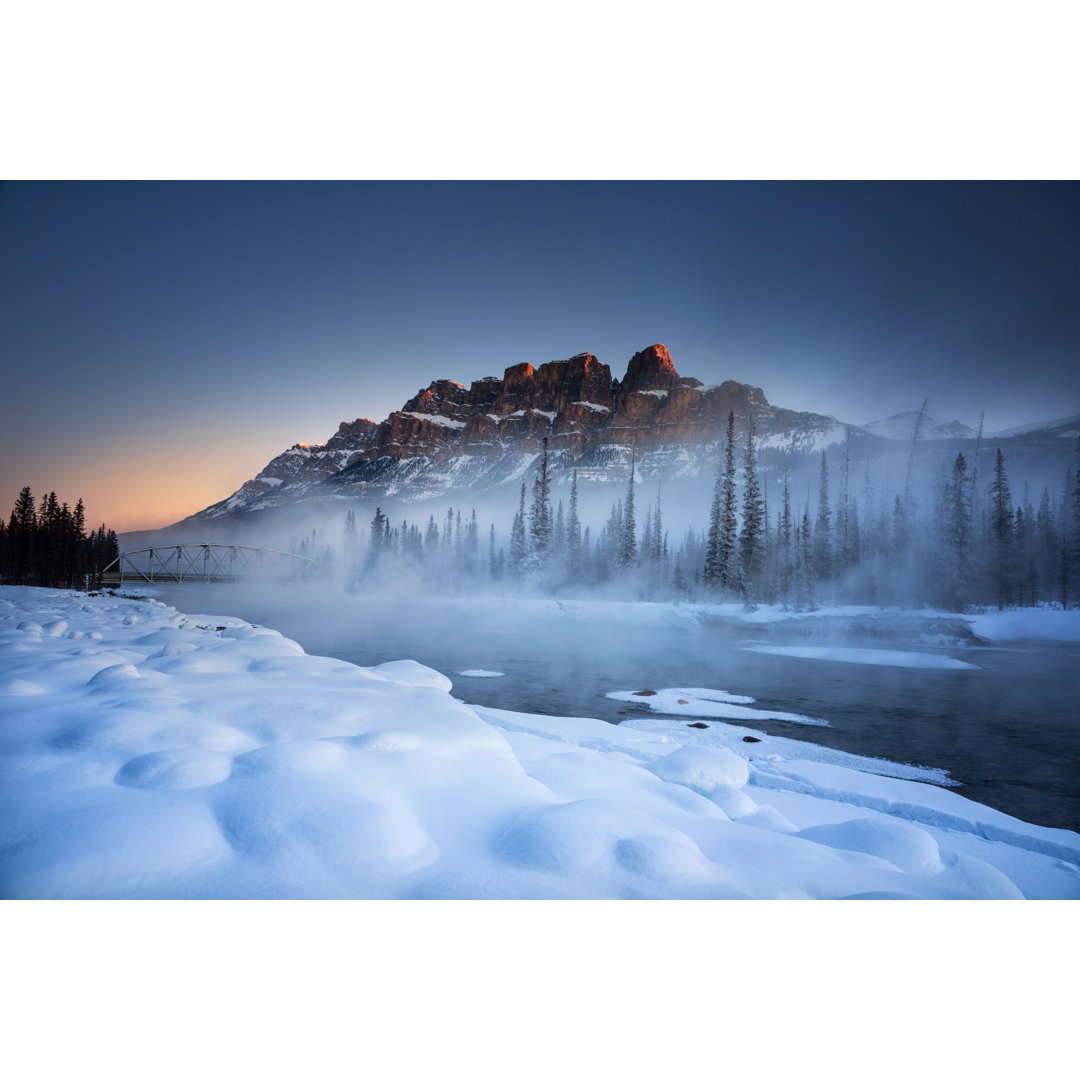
(878,657)
(148,753)
(696,701)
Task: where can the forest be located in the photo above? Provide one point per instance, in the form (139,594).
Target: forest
(48,545)
(966,543)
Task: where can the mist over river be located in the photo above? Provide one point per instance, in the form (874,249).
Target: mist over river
(1006,729)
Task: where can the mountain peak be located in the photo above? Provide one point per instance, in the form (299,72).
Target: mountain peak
(650,369)
(902,426)
(448,431)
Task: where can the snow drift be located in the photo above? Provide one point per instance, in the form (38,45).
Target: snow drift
(146,753)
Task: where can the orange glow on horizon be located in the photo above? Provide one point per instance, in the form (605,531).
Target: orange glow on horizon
(132,492)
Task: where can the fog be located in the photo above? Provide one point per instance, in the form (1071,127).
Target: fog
(941,524)
(574,591)
(1002,725)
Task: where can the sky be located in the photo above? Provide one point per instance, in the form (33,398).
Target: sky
(162,341)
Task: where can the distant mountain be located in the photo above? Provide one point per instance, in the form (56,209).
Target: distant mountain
(1066,428)
(452,444)
(902,426)
(449,438)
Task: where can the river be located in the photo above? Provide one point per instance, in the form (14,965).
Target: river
(1006,731)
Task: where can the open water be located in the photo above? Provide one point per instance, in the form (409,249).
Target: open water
(1008,732)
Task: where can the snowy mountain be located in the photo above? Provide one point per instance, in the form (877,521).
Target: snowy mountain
(449,438)
(452,444)
(1067,427)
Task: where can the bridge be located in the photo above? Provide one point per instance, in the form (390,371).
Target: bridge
(207,564)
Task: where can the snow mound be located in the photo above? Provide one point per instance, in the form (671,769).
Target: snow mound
(907,847)
(176,770)
(704,769)
(410,673)
(715,772)
(113,673)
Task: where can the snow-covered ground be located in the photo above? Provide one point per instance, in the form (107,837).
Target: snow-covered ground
(149,753)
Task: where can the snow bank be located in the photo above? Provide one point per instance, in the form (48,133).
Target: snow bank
(147,753)
(1041,624)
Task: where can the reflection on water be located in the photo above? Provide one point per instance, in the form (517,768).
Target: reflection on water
(1007,731)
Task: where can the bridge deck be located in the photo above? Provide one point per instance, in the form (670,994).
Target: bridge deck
(128,577)
(207,564)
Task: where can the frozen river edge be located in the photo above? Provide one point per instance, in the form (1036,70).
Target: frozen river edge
(146,753)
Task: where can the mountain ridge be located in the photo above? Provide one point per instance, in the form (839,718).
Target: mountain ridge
(452,440)
(574,404)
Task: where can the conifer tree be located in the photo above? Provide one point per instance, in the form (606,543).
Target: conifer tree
(377,536)
(751,538)
(518,548)
(785,555)
(573,534)
(823,527)
(540,516)
(627,542)
(958,536)
(804,573)
(730,577)
(431,541)
(1001,528)
(712,545)
(22,532)
(472,544)
(678,578)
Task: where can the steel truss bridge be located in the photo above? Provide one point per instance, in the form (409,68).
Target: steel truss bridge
(207,564)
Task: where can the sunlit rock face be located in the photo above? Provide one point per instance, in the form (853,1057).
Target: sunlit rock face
(650,369)
(574,403)
(588,418)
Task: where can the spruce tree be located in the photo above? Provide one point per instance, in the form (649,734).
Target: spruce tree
(540,516)
(753,518)
(958,536)
(472,544)
(518,548)
(431,542)
(377,536)
(730,576)
(823,560)
(627,545)
(712,546)
(573,534)
(1001,529)
(22,532)
(785,555)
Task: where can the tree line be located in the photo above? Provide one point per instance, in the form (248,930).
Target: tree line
(963,543)
(48,545)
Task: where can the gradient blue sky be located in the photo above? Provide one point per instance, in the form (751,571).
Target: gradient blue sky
(161,342)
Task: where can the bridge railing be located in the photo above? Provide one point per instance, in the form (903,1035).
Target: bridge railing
(206,564)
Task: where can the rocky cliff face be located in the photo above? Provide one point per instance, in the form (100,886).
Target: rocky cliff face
(575,404)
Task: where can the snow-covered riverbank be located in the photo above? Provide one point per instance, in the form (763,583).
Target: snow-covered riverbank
(149,753)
